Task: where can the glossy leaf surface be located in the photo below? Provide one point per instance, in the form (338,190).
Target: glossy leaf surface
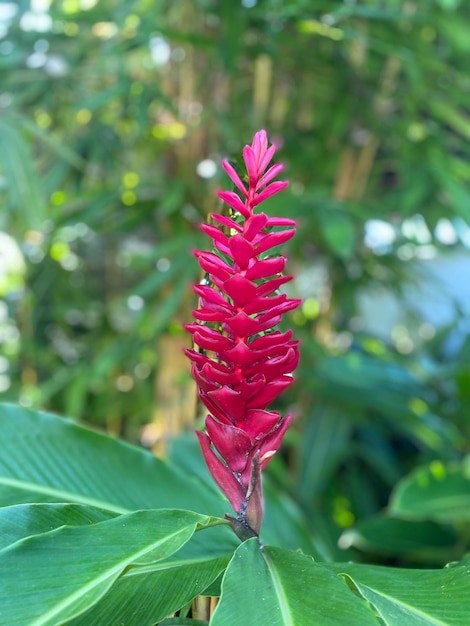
(275,587)
(439,492)
(63,572)
(45,458)
(413,597)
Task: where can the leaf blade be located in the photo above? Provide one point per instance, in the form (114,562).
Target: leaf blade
(24,520)
(439,492)
(46,458)
(65,571)
(272,583)
(413,597)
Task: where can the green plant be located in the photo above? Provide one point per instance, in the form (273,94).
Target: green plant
(369,100)
(95,531)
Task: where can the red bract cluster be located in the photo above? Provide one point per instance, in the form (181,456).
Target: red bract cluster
(244,362)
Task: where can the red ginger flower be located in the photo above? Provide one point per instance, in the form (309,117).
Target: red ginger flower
(252,362)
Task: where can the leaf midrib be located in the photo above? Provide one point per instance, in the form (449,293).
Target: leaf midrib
(138,570)
(278,589)
(108,574)
(394,600)
(63,495)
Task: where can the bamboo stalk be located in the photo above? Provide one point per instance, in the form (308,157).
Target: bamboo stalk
(175,393)
(201,608)
(262,80)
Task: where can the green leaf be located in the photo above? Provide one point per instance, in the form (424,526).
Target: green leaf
(155,280)
(23,520)
(183,621)
(449,114)
(438,492)
(413,597)
(49,459)
(104,96)
(275,587)
(61,149)
(63,572)
(325,437)
(143,596)
(339,232)
(285,525)
(364,383)
(23,183)
(425,540)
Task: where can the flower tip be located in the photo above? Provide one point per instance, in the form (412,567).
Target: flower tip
(260,136)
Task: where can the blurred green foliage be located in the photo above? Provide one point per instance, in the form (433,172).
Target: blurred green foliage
(113,117)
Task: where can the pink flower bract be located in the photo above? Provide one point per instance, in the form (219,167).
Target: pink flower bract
(244,362)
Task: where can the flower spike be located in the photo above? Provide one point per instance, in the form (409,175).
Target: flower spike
(250,362)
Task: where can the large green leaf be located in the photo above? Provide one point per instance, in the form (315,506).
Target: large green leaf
(438,492)
(183,621)
(325,437)
(46,579)
(413,597)
(275,587)
(363,383)
(24,520)
(415,540)
(145,595)
(49,459)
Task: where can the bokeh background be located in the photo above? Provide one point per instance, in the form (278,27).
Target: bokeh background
(114,115)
